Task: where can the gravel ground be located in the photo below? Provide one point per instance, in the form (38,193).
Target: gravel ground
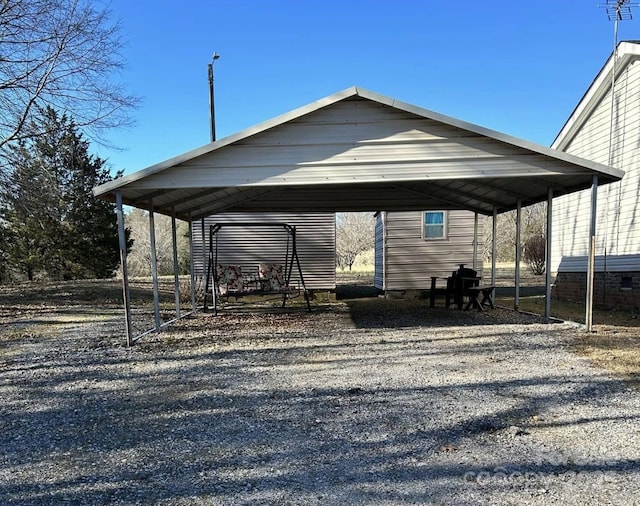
(387,403)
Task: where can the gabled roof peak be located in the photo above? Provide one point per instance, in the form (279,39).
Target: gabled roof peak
(627,51)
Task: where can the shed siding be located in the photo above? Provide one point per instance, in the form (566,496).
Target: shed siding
(617,229)
(249,246)
(410,261)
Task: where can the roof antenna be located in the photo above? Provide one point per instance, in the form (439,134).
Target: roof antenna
(617,10)
(212,105)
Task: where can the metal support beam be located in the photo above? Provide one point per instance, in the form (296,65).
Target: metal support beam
(122,240)
(592,255)
(204,262)
(176,268)
(494,252)
(516,302)
(443,189)
(475,241)
(226,198)
(547,264)
(154,267)
(191,267)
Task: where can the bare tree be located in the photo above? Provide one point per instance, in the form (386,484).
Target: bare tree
(533,223)
(354,235)
(139,259)
(534,253)
(63,54)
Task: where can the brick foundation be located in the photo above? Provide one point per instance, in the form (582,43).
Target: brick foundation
(573,285)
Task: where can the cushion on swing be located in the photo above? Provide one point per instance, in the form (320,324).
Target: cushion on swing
(272,276)
(230,278)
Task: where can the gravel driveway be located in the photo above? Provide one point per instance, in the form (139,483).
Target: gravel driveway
(390,403)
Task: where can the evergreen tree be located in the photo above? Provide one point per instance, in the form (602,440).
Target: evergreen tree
(5,240)
(58,228)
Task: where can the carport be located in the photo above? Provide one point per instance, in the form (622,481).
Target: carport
(357,151)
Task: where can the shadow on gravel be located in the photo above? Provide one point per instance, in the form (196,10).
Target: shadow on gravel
(250,426)
(525,291)
(316,408)
(390,313)
(369,310)
(354,291)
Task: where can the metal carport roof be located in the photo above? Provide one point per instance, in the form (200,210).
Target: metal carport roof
(353,151)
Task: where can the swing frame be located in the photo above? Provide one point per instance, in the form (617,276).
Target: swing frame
(212,282)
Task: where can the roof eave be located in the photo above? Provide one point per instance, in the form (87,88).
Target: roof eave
(627,51)
(212,146)
(121,182)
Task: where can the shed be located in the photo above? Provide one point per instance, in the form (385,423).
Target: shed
(413,246)
(356,151)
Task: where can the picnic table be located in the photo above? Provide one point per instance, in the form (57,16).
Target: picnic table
(462,283)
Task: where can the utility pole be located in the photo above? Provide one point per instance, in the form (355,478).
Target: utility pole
(212,104)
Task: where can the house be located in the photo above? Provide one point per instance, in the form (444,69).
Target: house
(605,129)
(251,242)
(413,246)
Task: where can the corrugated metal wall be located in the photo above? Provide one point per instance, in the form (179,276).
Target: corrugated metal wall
(354,138)
(617,227)
(410,261)
(249,246)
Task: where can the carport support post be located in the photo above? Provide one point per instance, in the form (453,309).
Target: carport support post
(176,273)
(191,266)
(204,264)
(516,303)
(154,267)
(592,255)
(122,239)
(547,299)
(494,233)
(475,241)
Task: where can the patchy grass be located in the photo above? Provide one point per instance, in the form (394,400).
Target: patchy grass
(613,348)
(32,310)
(572,311)
(614,343)
(363,277)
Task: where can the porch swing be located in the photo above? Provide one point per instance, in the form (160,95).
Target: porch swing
(225,281)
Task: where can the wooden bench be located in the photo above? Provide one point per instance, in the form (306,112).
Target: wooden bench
(474,293)
(447,291)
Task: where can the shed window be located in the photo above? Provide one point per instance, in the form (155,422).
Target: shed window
(434,225)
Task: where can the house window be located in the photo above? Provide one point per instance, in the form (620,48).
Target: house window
(626,283)
(434,225)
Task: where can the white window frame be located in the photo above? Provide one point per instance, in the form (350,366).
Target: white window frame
(445,226)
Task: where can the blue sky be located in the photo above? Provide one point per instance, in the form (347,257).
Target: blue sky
(518,67)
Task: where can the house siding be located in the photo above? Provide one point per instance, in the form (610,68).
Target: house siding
(410,261)
(249,246)
(617,228)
